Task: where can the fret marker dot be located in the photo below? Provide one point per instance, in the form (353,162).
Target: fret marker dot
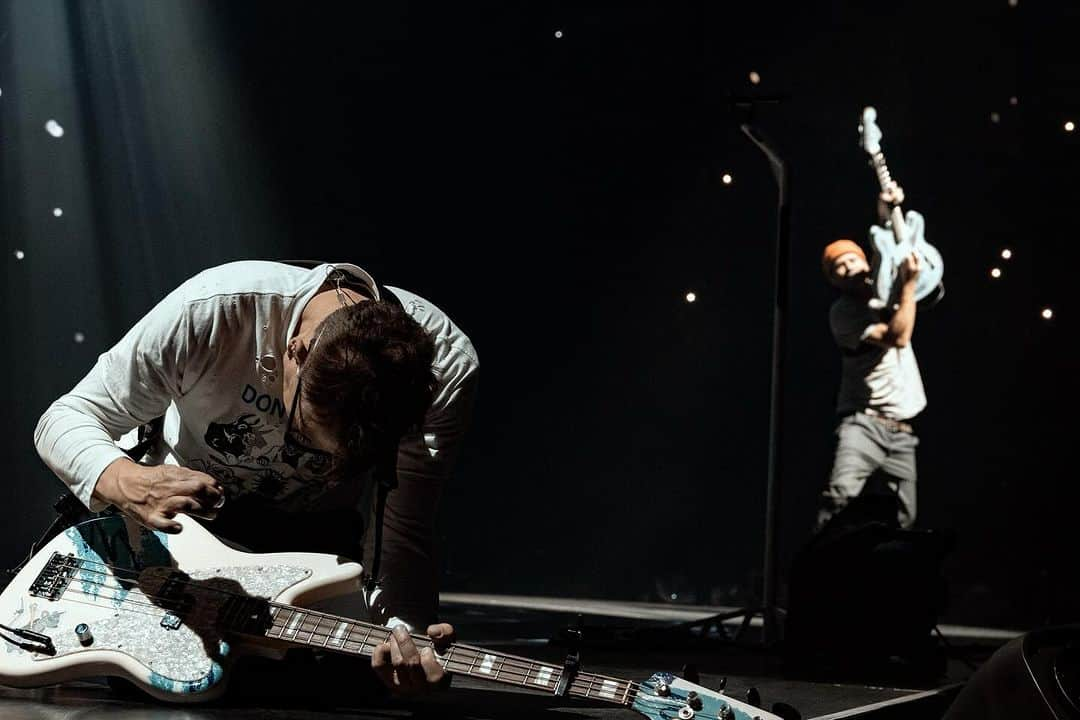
(57,212)
(1047,313)
(754,78)
(690,297)
(726,178)
(1006,253)
(1070,126)
(558,34)
(54,128)
(19,254)
(996,273)
(995,118)
(79,337)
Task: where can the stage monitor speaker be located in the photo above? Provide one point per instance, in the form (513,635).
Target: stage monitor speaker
(867,592)
(1036,677)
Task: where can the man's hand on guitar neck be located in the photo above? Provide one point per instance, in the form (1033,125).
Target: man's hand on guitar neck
(892,195)
(407,670)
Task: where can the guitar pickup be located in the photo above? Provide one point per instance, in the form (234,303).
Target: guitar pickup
(169,621)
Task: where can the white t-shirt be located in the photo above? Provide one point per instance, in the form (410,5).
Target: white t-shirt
(885,380)
(208,357)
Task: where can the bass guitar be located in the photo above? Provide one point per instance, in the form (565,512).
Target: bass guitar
(906,234)
(171,613)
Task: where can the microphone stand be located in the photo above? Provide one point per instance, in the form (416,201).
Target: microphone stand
(767,609)
(661,637)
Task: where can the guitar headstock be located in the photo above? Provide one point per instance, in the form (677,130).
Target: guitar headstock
(665,696)
(869,132)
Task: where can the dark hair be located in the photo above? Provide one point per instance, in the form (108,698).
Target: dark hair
(370,374)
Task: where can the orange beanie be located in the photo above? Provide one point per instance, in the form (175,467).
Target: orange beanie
(837,248)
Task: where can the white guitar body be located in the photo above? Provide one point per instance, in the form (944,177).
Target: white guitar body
(171,613)
(125,581)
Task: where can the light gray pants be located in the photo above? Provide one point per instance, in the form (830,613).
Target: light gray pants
(872,462)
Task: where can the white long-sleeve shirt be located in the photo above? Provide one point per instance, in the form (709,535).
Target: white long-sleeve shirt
(208,357)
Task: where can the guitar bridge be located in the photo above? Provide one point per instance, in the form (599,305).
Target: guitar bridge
(55,577)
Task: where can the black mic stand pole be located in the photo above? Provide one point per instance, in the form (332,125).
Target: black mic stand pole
(768,609)
(779,346)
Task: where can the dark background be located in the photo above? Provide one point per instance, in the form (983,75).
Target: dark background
(558,197)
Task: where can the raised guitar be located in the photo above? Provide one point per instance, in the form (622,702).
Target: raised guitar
(171,613)
(906,234)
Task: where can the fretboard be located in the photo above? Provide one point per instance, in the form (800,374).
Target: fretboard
(884,178)
(299,626)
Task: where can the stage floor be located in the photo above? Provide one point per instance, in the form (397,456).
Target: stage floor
(627,640)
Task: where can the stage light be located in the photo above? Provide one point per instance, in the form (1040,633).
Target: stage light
(1070,126)
(726,178)
(1006,253)
(691,297)
(54,128)
(79,337)
(995,118)
(57,212)
(19,254)
(558,34)
(995,272)
(754,78)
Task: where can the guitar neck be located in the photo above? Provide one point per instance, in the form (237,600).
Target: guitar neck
(881,169)
(299,626)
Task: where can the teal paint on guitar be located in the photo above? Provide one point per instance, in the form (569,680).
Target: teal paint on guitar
(212,678)
(107,541)
(650,703)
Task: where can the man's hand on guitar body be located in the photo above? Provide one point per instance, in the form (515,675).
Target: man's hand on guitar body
(154,494)
(408,670)
(909,270)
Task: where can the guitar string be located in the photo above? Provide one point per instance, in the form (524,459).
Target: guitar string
(282,606)
(522,667)
(582,684)
(321,616)
(424,640)
(468,665)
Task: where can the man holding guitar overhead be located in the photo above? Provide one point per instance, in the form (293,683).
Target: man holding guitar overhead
(881,389)
(309,396)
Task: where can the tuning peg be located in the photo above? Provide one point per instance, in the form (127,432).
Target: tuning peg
(690,673)
(785,711)
(753,697)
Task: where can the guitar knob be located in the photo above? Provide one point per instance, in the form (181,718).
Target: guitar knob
(693,700)
(726,713)
(663,690)
(82,631)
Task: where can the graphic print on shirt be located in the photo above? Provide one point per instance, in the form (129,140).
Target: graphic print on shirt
(246,462)
(237,440)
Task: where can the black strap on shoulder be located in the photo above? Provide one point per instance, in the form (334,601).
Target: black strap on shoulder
(148,436)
